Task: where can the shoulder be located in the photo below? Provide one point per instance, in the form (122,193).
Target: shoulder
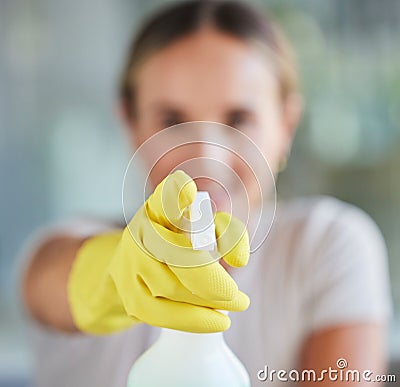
(325,231)
(333,259)
(341,257)
(326,216)
(338,246)
(319,207)
(79,227)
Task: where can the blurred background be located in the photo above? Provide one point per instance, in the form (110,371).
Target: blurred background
(62,151)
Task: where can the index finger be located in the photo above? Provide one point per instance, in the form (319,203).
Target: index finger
(166,204)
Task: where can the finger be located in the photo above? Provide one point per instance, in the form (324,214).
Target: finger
(166,204)
(170,247)
(162,282)
(238,304)
(178,315)
(210,282)
(197,270)
(191,267)
(232,239)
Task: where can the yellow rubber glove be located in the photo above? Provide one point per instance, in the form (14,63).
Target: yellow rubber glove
(126,277)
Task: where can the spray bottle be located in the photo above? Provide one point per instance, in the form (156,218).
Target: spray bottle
(184,359)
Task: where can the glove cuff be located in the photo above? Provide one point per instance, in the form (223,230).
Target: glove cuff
(95,305)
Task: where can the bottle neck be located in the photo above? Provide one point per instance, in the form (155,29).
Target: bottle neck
(180,338)
(176,337)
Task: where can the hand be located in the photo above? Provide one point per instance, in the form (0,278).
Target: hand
(142,274)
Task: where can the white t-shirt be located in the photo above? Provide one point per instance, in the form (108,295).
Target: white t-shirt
(324,263)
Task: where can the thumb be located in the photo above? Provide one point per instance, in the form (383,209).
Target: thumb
(166,204)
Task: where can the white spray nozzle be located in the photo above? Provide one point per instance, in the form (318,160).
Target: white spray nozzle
(201,225)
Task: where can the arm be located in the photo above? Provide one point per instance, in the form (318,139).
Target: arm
(114,280)
(44,287)
(362,345)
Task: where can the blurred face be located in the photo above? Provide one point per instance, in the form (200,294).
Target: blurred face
(211,76)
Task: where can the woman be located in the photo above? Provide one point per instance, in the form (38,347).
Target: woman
(318,287)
